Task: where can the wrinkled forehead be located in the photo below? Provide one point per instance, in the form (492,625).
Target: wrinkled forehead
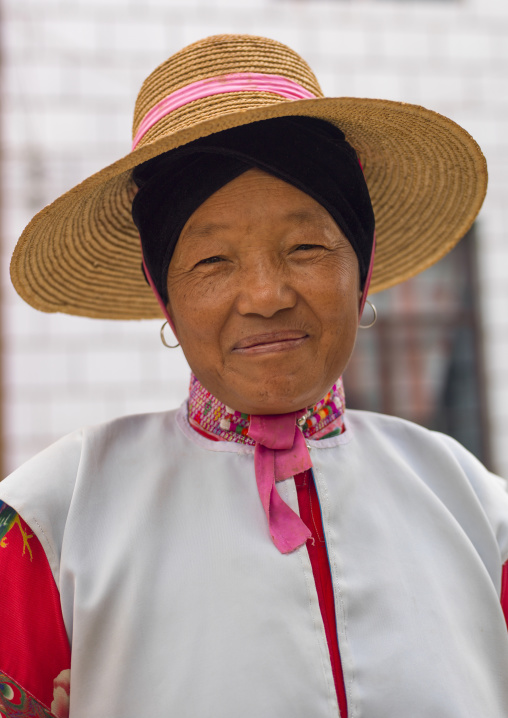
(255,199)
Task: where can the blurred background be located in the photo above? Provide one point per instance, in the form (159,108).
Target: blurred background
(71,70)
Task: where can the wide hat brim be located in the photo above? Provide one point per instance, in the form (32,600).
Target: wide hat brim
(426,175)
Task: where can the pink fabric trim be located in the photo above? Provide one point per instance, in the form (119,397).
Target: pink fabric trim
(504,592)
(369,277)
(280,452)
(236,82)
(154,290)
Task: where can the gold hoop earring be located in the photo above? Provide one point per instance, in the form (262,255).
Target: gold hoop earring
(374,317)
(163,338)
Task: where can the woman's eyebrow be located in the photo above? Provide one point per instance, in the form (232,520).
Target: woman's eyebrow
(299,216)
(302,216)
(205,230)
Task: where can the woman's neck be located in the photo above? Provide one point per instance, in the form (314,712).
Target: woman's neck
(211,417)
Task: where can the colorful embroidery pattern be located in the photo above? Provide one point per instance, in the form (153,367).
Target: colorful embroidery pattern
(34,647)
(15,702)
(8,519)
(327,416)
(212,417)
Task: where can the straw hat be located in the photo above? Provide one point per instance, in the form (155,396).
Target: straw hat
(426,175)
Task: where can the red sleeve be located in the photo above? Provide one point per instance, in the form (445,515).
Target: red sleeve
(504,592)
(35,655)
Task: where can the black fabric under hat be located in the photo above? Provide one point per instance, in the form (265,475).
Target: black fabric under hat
(308,153)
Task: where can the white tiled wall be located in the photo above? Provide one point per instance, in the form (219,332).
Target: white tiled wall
(72,69)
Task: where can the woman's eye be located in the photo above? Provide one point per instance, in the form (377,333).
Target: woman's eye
(210,260)
(309,246)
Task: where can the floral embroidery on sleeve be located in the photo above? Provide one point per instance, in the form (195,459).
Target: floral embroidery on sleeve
(8,520)
(35,654)
(16,701)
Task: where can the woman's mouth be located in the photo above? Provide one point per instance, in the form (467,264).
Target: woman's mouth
(271,342)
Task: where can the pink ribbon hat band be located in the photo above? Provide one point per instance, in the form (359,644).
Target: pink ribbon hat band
(236,82)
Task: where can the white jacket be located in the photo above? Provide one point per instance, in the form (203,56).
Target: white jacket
(177,604)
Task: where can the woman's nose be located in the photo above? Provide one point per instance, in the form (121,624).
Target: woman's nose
(265,289)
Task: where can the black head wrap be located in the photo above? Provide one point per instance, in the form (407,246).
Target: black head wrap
(309,153)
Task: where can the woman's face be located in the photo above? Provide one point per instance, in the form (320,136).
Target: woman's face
(264,293)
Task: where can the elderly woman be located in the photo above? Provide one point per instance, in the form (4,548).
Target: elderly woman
(258,552)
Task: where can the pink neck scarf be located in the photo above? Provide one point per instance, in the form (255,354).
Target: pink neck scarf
(280,449)
(280,452)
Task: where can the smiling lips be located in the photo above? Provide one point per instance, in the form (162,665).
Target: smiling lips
(271,342)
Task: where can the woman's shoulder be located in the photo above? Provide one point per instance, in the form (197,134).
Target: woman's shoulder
(361,421)
(414,441)
(447,468)
(41,490)
(62,459)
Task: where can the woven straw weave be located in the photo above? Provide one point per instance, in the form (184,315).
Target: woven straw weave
(426,176)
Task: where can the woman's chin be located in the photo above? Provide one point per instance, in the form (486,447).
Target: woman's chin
(273,397)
